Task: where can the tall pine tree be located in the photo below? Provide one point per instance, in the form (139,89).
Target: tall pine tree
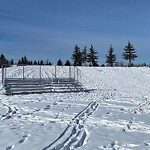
(84,56)
(77,56)
(59,62)
(129,53)
(110,57)
(3,61)
(67,63)
(92,57)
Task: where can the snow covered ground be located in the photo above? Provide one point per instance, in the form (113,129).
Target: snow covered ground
(113,115)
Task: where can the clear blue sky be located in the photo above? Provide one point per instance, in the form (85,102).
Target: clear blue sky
(49,29)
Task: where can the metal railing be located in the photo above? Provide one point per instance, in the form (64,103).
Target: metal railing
(53,73)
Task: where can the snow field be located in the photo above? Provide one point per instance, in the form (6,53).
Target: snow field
(112,115)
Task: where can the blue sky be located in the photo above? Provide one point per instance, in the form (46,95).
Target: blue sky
(49,29)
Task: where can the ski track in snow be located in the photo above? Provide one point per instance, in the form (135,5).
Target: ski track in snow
(78,134)
(77,131)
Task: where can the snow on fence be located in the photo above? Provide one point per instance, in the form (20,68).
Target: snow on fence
(29,79)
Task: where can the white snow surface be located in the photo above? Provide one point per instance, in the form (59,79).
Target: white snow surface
(112,114)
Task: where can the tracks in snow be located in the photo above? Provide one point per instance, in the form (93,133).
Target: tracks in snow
(12,110)
(76,134)
(22,140)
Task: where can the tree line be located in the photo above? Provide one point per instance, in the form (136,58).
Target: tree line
(82,57)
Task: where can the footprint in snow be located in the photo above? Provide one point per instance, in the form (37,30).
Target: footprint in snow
(10,147)
(114,146)
(147,144)
(54,103)
(24,138)
(47,107)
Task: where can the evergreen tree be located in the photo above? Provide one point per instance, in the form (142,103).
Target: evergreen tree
(41,62)
(110,57)
(67,63)
(129,53)
(3,61)
(46,62)
(84,56)
(19,62)
(30,62)
(12,62)
(92,57)
(50,63)
(59,62)
(77,56)
(24,61)
(35,63)
(38,63)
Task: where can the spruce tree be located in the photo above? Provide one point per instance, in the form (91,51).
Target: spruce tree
(84,56)
(110,57)
(24,61)
(92,57)
(35,63)
(4,61)
(49,63)
(59,62)
(19,62)
(67,63)
(41,62)
(129,53)
(12,62)
(38,62)
(77,56)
